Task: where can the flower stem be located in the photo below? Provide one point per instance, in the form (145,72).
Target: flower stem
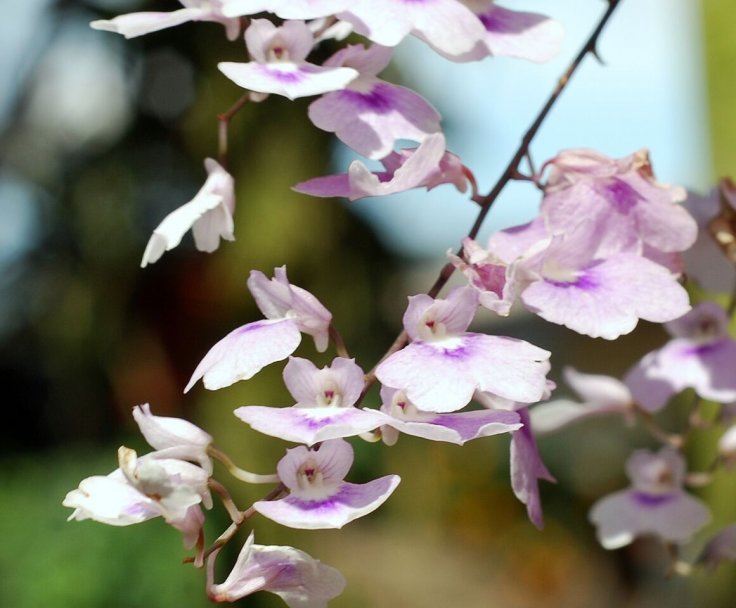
(239,473)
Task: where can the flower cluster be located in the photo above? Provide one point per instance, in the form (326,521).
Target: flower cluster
(603,253)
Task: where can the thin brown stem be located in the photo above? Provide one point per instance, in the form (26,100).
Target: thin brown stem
(237,472)
(650,424)
(233,528)
(227,500)
(224,125)
(339,343)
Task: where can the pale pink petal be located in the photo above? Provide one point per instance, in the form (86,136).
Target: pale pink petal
(447,26)
(368,61)
(428,318)
(209,215)
(325,186)
(139,24)
(349,502)
(442,376)
(291,42)
(300,580)
(597,388)
(601,395)
(332,459)
(608,297)
(510,244)
(414,172)
(708,368)
(288,79)
(527,469)
(338,385)
(277,298)
(706,322)
(183,439)
(720,548)
(110,501)
(454,428)
(246,351)
(190,526)
(704,261)
(309,425)
(625,515)
(519,34)
(371,118)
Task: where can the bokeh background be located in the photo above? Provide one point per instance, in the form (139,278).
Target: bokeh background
(100,138)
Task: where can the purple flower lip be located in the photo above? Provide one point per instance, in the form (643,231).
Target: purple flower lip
(651,500)
(377,99)
(584,282)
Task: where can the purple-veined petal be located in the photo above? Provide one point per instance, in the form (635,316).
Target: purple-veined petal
(608,297)
(316,473)
(288,79)
(442,376)
(278,299)
(338,385)
(245,351)
(680,364)
(721,547)
(372,117)
(601,395)
(430,319)
(447,26)
(309,425)
(520,34)
(300,580)
(455,428)
(527,469)
(349,502)
(625,515)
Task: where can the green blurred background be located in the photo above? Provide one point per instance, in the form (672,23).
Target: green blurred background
(85,334)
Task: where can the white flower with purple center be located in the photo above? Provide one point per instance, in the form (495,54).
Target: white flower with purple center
(655,504)
(144,488)
(318,495)
(399,415)
(601,395)
(279,63)
(448,26)
(138,24)
(209,215)
(596,296)
(527,469)
(298,579)
(289,311)
(444,364)
(618,201)
(701,356)
(519,34)
(325,404)
(428,166)
(369,115)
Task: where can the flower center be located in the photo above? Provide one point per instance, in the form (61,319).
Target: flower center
(278,52)
(330,396)
(430,329)
(309,476)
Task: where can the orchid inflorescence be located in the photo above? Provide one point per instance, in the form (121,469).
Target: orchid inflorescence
(603,252)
